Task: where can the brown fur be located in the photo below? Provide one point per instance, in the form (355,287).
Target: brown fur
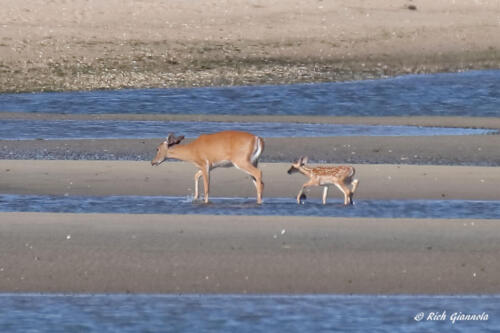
(209,151)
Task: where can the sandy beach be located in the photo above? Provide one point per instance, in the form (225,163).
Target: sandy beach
(100,178)
(80,45)
(110,253)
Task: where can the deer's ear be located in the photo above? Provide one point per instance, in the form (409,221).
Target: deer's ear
(170,138)
(304,160)
(179,139)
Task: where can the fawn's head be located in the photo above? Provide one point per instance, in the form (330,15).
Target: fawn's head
(296,165)
(162,149)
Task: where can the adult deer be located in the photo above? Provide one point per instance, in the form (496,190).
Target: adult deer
(209,151)
(340,176)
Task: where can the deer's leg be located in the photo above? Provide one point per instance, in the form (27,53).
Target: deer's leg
(325,194)
(197,176)
(346,191)
(256,175)
(205,171)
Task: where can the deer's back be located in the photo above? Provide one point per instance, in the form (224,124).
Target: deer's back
(224,146)
(335,172)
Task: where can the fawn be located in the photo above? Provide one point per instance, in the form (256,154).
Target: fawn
(340,176)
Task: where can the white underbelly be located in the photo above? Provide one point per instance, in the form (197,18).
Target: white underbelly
(222,164)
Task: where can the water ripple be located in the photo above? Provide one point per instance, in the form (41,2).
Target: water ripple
(244,313)
(246,206)
(473,94)
(14,129)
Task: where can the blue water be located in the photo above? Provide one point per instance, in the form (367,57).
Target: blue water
(473,93)
(244,313)
(247,206)
(11,129)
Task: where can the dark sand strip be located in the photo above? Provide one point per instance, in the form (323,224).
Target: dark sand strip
(438,150)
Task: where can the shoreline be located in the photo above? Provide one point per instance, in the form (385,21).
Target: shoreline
(424,121)
(50,80)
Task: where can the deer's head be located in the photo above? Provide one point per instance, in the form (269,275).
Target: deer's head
(296,165)
(162,149)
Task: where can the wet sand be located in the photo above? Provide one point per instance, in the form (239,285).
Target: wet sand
(380,181)
(113,253)
(432,121)
(480,150)
(79,44)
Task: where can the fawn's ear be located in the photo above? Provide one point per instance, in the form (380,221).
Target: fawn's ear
(304,160)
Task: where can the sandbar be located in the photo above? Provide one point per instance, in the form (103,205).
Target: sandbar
(114,253)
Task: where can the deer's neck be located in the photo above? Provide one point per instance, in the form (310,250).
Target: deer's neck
(182,153)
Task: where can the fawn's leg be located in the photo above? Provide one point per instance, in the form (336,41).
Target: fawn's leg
(325,194)
(354,183)
(307,184)
(346,191)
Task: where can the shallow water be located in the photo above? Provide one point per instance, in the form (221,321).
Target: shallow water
(473,93)
(107,129)
(244,313)
(247,206)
